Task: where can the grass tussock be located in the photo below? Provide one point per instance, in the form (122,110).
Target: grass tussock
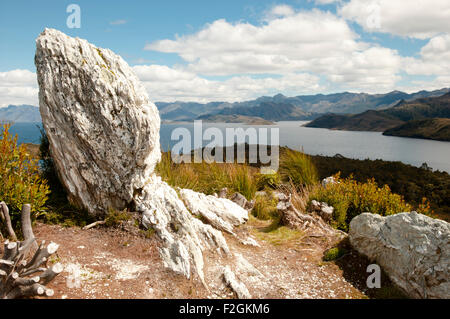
(298,168)
(265,208)
(209,178)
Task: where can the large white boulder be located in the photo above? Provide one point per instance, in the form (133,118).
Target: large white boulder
(102,128)
(104,140)
(413,249)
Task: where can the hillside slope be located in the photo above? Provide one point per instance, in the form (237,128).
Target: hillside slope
(270,111)
(420,109)
(434,129)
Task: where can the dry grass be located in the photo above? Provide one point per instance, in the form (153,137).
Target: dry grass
(209,178)
(271,232)
(300,194)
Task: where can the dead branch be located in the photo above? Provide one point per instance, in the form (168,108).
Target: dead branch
(7,220)
(100,222)
(27,229)
(15,272)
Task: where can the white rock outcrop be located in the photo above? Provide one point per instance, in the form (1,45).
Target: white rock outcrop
(184,237)
(221,213)
(102,128)
(236,285)
(104,140)
(413,249)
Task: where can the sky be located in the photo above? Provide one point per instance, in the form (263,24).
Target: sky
(234,50)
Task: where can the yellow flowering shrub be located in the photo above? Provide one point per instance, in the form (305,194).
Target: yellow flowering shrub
(351,198)
(20,181)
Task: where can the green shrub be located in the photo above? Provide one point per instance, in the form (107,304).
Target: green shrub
(298,168)
(20,180)
(271,180)
(351,198)
(409,181)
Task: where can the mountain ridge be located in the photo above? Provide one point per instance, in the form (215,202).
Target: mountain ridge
(302,107)
(405,118)
(311,105)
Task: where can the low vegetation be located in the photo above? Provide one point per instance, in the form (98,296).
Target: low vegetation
(411,182)
(265,208)
(299,176)
(334,253)
(351,198)
(298,168)
(115,218)
(209,178)
(20,177)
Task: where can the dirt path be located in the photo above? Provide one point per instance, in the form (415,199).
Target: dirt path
(111,263)
(114,263)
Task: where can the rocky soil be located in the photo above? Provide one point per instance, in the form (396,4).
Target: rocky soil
(121,262)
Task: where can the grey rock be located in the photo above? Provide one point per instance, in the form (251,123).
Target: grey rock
(104,139)
(223,192)
(323,210)
(221,213)
(413,249)
(239,199)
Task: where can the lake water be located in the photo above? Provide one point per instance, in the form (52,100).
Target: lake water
(316,141)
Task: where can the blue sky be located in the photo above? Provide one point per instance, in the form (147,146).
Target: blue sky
(235,50)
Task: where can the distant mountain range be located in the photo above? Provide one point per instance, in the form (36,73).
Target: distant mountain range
(409,119)
(280,107)
(270,111)
(20,114)
(276,108)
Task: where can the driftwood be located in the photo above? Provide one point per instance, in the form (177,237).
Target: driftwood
(19,277)
(100,222)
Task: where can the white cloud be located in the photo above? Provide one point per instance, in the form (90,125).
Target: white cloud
(18,87)
(305,42)
(434,58)
(169,84)
(326,1)
(282,10)
(411,18)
